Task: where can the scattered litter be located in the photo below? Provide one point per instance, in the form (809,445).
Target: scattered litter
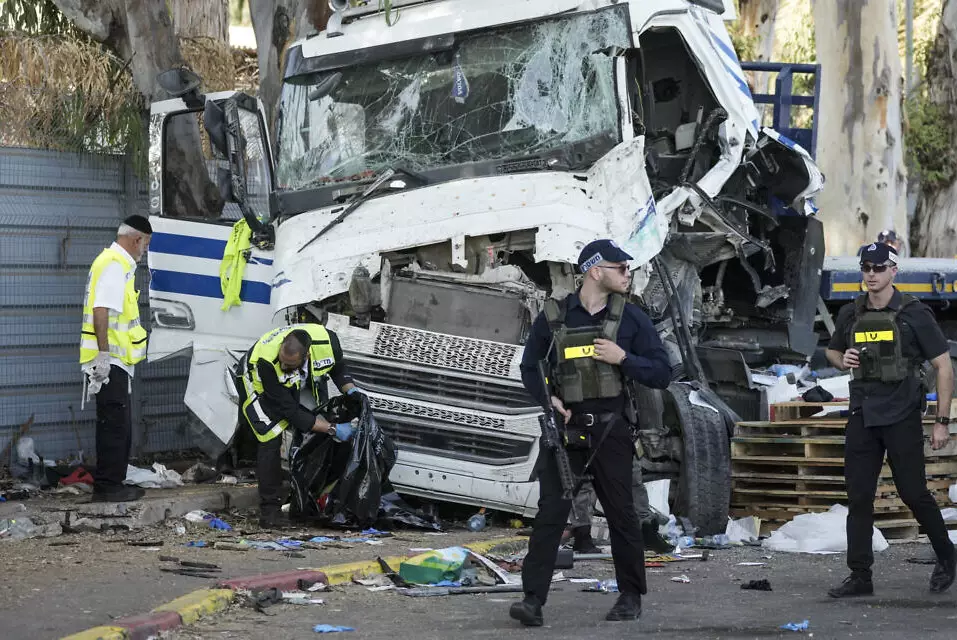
(381,587)
(757,585)
(259,600)
(603,586)
(583,580)
(377,581)
(436,533)
(17,528)
(752,564)
(375,532)
(79,476)
(216,523)
(180,530)
(743,529)
(196,543)
(818,533)
(227,479)
(78,489)
(796,626)
(320,539)
(159,478)
(682,578)
(501,576)
(231,546)
(420,592)
(197,516)
(949,514)
(435,566)
(144,543)
(312,588)
(199,472)
(329,628)
(421,549)
(297,597)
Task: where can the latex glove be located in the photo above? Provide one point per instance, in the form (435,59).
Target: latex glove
(93,387)
(101,367)
(343,431)
(353,390)
(216,523)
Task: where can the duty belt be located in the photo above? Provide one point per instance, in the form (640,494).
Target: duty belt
(590,419)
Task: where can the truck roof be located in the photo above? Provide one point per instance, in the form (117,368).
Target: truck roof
(927,278)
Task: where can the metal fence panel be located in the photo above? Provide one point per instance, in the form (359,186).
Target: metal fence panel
(57,212)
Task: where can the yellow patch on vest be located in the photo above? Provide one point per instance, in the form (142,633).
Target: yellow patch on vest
(874,336)
(584,351)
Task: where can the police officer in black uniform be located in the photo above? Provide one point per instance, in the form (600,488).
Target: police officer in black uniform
(884,338)
(591,340)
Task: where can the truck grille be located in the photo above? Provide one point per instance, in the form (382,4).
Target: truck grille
(440,350)
(433,385)
(441,432)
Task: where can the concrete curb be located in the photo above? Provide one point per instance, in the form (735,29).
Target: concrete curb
(206,602)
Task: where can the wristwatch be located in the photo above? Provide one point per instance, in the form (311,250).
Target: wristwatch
(943,421)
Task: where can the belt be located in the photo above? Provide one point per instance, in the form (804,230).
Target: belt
(590,419)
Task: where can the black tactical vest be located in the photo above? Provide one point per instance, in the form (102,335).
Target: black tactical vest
(877,336)
(577,374)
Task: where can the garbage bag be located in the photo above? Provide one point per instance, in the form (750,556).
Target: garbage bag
(393,510)
(818,533)
(373,455)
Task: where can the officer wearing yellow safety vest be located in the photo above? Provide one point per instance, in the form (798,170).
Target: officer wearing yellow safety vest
(274,370)
(884,337)
(111,343)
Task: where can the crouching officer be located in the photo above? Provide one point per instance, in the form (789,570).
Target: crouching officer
(591,340)
(883,338)
(275,369)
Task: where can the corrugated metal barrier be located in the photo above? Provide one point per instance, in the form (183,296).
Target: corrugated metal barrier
(57,211)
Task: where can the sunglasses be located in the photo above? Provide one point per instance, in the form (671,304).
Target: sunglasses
(620,268)
(876,268)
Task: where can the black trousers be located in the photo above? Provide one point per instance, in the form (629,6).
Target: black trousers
(114,432)
(611,469)
(269,474)
(863,458)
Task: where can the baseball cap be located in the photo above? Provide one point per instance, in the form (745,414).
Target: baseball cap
(598,250)
(139,223)
(879,253)
(887,234)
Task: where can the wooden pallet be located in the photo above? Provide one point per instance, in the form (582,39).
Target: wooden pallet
(800,410)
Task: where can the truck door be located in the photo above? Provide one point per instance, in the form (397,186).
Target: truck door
(204,178)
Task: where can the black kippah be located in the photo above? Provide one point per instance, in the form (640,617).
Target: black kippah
(139,223)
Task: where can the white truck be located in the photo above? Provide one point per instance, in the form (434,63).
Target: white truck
(433,180)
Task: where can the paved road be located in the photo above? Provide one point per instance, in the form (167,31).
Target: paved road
(711,606)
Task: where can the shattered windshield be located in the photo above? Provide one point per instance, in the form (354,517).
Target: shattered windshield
(498,94)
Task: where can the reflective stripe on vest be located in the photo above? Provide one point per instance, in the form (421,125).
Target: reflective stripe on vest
(127,338)
(321,361)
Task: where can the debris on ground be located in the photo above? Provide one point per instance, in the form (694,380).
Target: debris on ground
(329,628)
(159,478)
(818,533)
(602,586)
(796,626)
(682,578)
(757,585)
(745,529)
(199,473)
(261,599)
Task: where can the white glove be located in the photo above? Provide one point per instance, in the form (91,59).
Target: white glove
(93,387)
(101,368)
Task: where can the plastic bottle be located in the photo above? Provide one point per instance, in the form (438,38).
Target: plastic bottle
(477,522)
(685,542)
(17,528)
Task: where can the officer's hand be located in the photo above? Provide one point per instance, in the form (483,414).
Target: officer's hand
(560,408)
(321,425)
(851,359)
(608,351)
(940,436)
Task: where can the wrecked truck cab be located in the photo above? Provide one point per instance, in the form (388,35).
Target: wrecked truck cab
(433,182)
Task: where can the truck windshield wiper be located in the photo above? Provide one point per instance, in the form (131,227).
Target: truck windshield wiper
(367,193)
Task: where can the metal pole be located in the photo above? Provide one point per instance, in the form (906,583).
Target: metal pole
(909,48)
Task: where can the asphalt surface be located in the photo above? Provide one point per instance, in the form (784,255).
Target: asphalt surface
(712,605)
(53,587)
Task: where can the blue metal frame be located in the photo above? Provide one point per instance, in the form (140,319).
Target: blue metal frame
(784,98)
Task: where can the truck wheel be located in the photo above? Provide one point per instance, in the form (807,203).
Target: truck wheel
(704,484)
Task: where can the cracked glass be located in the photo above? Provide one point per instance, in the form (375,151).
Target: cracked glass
(504,93)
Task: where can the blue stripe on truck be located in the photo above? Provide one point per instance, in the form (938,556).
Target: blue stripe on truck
(194,284)
(180,245)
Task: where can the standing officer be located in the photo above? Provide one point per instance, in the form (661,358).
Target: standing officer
(588,391)
(111,343)
(884,338)
(275,368)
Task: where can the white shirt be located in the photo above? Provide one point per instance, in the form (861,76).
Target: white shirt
(110,293)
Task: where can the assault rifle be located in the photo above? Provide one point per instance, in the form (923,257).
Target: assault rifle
(553,438)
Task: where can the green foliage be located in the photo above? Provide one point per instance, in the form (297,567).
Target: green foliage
(929,140)
(36,18)
(744,45)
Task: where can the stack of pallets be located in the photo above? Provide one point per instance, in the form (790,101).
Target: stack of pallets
(794,463)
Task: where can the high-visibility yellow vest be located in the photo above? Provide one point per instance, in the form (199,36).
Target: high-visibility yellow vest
(126,336)
(321,361)
(233,265)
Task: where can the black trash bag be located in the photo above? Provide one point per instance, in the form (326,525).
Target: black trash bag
(360,488)
(393,510)
(818,394)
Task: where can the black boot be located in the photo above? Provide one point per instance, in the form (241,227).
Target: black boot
(943,575)
(273,518)
(653,540)
(583,541)
(853,585)
(628,607)
(528,612)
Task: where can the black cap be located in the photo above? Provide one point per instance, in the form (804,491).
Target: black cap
(879,253)
(139,223)
(887,235)
(598,250)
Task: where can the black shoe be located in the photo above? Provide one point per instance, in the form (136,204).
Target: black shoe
(123,494)
(628,607)
(528,612)
(853,586)
(653,540)
(943,575)
(273,519)
(583,540)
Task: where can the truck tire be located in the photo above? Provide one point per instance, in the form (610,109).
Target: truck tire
(704,484)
